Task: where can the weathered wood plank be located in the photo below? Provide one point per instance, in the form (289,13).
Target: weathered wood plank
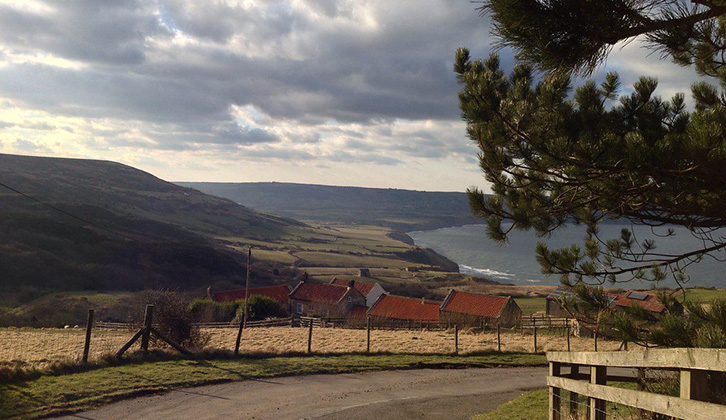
(656,403)
(698,359)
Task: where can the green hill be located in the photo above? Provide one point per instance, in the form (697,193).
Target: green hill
(402,210)
(116,227)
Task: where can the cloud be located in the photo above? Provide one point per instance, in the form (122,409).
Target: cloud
(324,83)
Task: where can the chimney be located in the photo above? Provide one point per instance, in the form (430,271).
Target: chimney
(423,301)
(351,283)
(304,277)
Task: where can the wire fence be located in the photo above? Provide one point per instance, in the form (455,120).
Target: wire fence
(38,347)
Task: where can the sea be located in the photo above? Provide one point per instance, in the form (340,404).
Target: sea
(515,262)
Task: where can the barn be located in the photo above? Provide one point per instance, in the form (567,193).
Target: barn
(404,311)
(473,309)
(280,293)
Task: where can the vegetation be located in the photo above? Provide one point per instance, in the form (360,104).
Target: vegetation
(532,405)
(554,156)
(402,210)
(56,394)
(693,323)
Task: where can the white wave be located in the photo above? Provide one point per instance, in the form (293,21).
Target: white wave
(533,281)
(484,271)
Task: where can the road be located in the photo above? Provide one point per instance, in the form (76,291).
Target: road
(420,394)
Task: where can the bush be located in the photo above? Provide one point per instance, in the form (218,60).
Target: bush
(262,307)
(173,319)
(206,310)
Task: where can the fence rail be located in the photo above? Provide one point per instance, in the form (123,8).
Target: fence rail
(250,324)
(531,322)
(101,325)
(693,365)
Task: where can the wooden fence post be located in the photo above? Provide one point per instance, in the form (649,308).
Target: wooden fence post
(568,338)
(499,338)
(694,385)
(598,376)
(310,336)
(148,318)
(595,340)
(368,335)
(456,338)
(555,405)
(89,328)
(534,324)
(574,397)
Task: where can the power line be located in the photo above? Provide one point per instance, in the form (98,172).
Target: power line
(69,214)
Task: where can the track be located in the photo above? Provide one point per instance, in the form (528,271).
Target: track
(420,394)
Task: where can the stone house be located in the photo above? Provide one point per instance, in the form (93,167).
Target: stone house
(324,300)
(371,291)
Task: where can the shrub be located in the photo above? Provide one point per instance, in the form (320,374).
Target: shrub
(206,310)
(262,307)
(172,318)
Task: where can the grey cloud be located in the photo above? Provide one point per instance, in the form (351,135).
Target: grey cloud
(234,133)
(109,31)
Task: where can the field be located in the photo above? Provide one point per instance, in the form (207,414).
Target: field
(41,347)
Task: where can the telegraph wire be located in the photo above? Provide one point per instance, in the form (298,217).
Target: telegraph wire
(69,214)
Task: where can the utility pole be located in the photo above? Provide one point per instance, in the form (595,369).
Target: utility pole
(243,321)
(247,285)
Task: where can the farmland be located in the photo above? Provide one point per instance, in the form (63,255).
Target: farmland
(26,347)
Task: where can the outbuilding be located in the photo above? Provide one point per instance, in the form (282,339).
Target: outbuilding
(479,310)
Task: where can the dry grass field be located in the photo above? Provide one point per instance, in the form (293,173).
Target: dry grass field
(41,347)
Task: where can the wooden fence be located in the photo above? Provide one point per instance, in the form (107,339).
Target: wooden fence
(586,374)
(277,322)
(533,321)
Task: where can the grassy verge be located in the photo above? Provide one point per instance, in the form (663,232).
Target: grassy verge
(531,405)
(67,393)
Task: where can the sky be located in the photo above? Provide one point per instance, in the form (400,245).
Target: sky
(338,92)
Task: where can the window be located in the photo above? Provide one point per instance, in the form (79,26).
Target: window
(350,299)
(299,308)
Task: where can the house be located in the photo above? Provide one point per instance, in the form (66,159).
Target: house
(555,299)
(404,310)
(478,310)
(645,300)
(324,300)
(280,293)
(371,291)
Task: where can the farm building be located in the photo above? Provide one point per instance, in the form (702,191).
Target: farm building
(371,291)
(555,299)
(280,293)
(479,310)
(404,310)
(645,300)
(324,300)
(364,272)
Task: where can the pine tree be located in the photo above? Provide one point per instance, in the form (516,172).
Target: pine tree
(554,155)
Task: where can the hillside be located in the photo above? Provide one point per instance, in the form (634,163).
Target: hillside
(136,230)
(403,210)
(86,225)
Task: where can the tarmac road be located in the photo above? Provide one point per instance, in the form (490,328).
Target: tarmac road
(409,394)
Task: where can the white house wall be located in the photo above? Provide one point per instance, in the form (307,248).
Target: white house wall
(374,294)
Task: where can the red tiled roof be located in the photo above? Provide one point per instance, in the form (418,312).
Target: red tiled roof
(473,304)
(397,307)
(316,292)
(357,312)
(651,302)
(280,293)
(363,287)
